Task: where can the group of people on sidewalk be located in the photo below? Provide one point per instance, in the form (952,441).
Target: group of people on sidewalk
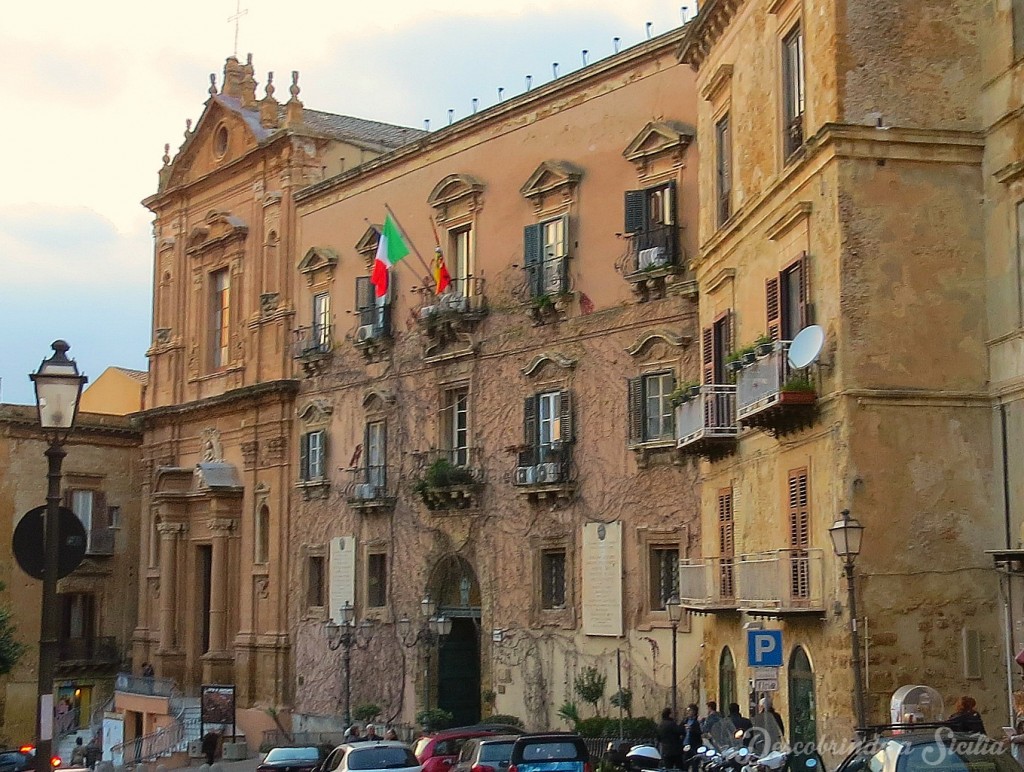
(352,734)
(679,741)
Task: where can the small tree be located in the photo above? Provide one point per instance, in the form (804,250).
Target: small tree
(590,686)
(623,699)
(366,712)
(569,712)
(434,719)
(10,649)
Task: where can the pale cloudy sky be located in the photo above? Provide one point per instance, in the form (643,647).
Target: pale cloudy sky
(95,89)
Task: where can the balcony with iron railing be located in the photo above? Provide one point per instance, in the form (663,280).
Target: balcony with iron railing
(770,394)
(449,479)
(463,301)
(707,585)
(653,260)
(706,421)
(544,472)
(148,686)
(371,488)
(781,582)
(312,346)
(101,542)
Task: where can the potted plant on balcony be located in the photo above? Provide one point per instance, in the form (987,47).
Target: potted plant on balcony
(741,357)
(798,390)
(684,392)
(446,486)
(764,345)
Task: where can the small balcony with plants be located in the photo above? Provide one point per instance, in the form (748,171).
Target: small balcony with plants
(370,489)
(707,585)
(781,582)
(456,310)
(544,473)
(312,347)
(446,480)
(706,419)
(770,394)
(653,261)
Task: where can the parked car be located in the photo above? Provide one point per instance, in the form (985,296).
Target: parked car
(932,749)
(16,760)
(550,752)
(371,756)
(486,754)
(298,759)
(439,752)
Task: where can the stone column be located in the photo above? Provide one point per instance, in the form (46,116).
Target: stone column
(168,583)
(219,529)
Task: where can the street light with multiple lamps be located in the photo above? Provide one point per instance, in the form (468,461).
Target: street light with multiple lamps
(433,629)
(847,533)
(348,636)
(675,614)
(58,386)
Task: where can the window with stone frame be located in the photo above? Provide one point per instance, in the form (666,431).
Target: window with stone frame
(90,505)
(650,413)
(552,578)
(220,319)
(793,91)
(375,453)
(376,579)
(313,456)
(322,325)
(261,548)
(459,260)
(374,312)
(723,170)
(547,430)
(650,219)
(545,257)
(455,425)
(663,571)
(786,301)
(315,581)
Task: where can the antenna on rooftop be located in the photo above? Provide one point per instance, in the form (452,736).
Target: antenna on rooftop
(426,124)
(501,93)
(529,82)
(649,25)
(451,115)
(236,18)
(583,54)
(615,43)
(475,100)
(684,12)
(554,70)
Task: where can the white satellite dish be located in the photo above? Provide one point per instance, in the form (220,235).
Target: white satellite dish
(806,347)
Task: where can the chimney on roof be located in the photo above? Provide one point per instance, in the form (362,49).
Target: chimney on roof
(233,75)
(248,84)
(293,114)
(269,118)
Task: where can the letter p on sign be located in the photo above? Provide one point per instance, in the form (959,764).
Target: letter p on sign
(764,648)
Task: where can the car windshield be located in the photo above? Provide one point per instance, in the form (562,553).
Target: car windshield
(292,754)
(496,751)
(421,746)
(961,756)
(556,751)
(381,757)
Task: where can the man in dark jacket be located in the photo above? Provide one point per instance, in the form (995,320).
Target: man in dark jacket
(740,722)
(670,741)
(210,741)
(691,735)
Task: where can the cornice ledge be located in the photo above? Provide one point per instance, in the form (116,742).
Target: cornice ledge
(288,388)
(716,281)
(1010,173)
(711,22)
(555,358)
(856,132)
(718,81)
(788,220)
(671,338)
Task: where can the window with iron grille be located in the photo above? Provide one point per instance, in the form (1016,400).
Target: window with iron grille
(312,455)
(376,579)
(315,581)
(545,256)
(651,416)
(552,578)
(726,544)
(799,534)
(723,169)
(663,566)
(793,90)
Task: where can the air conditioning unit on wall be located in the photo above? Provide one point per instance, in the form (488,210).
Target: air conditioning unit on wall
(547,473)
(649,258)
(365,333)
(525,475)
(366,491)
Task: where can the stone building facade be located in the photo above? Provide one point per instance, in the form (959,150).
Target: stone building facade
(505,448)
(97,600)
(219,406)
(842,164)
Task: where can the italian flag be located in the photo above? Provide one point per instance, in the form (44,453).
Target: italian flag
(390,249)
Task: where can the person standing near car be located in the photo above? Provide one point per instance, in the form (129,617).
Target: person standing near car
(670,741)
(691,734)
(965,716)
(78,754)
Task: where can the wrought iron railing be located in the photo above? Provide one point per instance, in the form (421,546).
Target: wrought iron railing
(162,742)
(548,277)
(710,414)
(463,296)
(707,582)
(657,247)
(312,341)
(100,650)
(147,685)
(758,384)
(369,483)
(465,459)
(101,541)
(781,580)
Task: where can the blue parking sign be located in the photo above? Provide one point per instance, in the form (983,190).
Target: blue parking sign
(764,648)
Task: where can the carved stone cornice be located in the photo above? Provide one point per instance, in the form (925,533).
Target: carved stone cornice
(705,31)
(220,524)
(171,530)
(554,357)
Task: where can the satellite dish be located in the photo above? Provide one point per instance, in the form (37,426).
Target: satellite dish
(806,347)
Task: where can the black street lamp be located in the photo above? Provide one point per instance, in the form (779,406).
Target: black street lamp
(58,387)
(433,630)
(348,636)
(675,614)
(847,533)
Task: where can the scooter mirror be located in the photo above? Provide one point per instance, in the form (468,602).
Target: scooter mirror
(744,751)
(811,763)
(710,753)
(701,749)
(739,734)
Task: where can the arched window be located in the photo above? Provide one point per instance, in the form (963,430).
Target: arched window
(262,534)
(726,681)
(802,723)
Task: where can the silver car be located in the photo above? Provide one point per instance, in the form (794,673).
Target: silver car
(372,756)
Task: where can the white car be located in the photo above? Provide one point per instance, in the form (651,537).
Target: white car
(371,756)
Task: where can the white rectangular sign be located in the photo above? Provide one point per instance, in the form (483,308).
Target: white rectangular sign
(602,579)
(342,588)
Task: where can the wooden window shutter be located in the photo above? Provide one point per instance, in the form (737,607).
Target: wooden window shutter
(636,211)
(364,300)
(772,304)
(100,515)
(707,354)
(383,452)
(565,425)
(799,512)
(530,421)
(806,315)
(533,257)
(304,457)
(726,542)
(635,408)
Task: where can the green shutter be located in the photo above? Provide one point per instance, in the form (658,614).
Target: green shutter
(304,457)
(565,426)
(530,421)
(635,410)
(533,257)
(636,211)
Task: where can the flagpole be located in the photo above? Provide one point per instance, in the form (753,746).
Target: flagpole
(408,240)
(400,262)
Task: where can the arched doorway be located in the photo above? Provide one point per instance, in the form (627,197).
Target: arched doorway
(726,680)
(454,585)
(802,724)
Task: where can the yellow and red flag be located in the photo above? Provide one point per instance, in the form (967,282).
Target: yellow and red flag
(442,279)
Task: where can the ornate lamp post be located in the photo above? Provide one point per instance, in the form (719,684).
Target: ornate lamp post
(348,636)
(433,630)
(847,533)
(58,387)
(675,614)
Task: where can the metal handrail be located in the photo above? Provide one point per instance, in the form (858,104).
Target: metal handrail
(758,384)
(464,458)
(711,414)
(313,340)
(148,685)
(657,247)
(370,482)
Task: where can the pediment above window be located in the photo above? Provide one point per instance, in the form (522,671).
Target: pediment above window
(660,139)
(647,339)
(552,357)
(367,244)
(315,413)
(317,260)
(455,195)
(556,179)
(218,229)
(378,399)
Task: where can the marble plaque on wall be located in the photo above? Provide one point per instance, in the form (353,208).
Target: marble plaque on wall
(342,586)
(602,579)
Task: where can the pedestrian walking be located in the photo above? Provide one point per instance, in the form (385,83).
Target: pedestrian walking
(670,741)
(691,735)
(965,716)
(78,754)
(209,745)
(766,706)
(711,720)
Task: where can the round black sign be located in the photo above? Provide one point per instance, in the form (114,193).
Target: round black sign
(28,543)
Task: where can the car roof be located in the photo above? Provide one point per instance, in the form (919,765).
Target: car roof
(361,744)
(560,736)
(496,738)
